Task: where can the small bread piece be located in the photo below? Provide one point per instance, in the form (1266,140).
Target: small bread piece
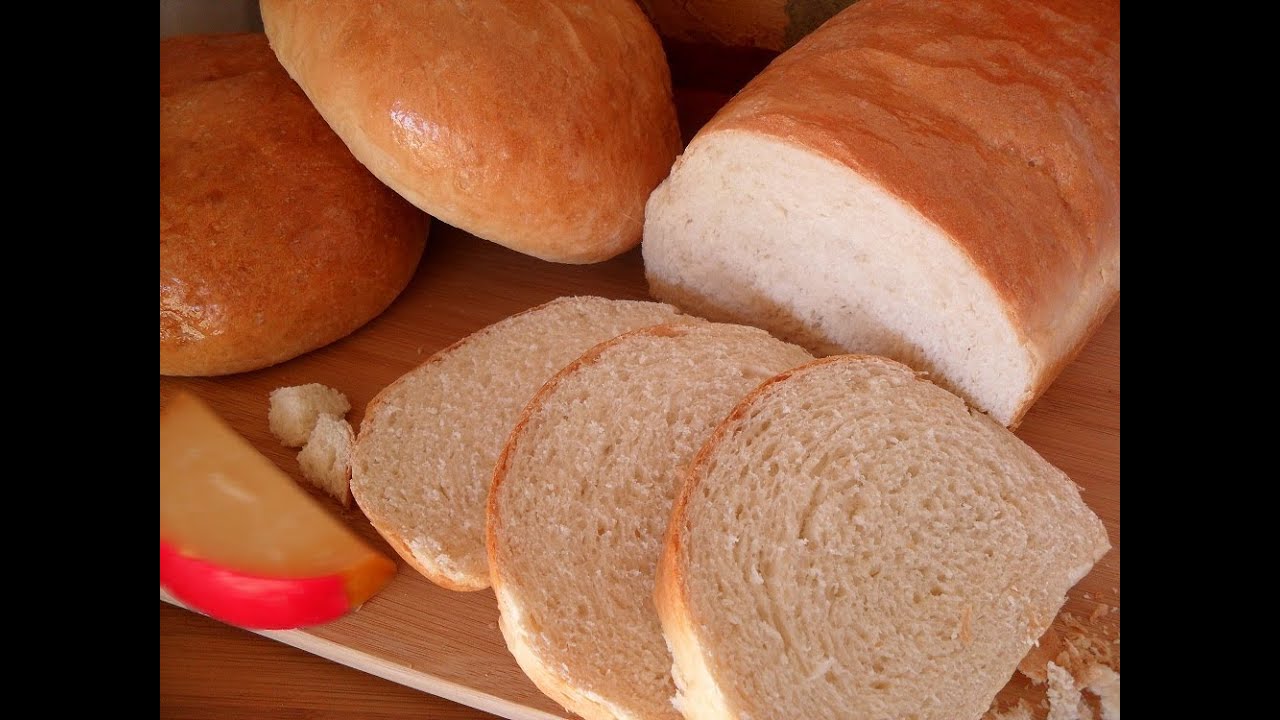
(540,126)
(1065,700)
(1105,683)
(425,453)
(853,540)
(581,498)
(295,409)
(326,458)
(274,240)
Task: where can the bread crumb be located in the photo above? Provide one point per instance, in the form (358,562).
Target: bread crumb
(1084,645)
(326,458)
(1098,611)
(293,411)
(1105,683)
(1065,700)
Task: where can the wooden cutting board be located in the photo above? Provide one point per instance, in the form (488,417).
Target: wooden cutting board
(447,643)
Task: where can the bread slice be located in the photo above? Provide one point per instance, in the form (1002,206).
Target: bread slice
(580,502)
(326,458)
(906,182)
(426,449)
(854,541)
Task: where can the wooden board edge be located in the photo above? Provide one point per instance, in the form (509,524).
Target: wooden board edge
(373,665)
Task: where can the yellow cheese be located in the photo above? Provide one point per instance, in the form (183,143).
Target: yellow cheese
(223,501)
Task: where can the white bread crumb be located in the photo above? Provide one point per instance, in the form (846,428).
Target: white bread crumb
(294,411)
(1105,683)
(326,458)
(1065,701)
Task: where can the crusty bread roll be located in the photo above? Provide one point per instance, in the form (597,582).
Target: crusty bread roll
(580,501)
(426,449)
(540,126)
(934,182)
(853,541)
(274,241)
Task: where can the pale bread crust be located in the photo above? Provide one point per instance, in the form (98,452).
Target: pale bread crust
(542,128)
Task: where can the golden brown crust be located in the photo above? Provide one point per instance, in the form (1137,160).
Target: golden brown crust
(274,241)
(1051,372)
(542,127)
(997,120)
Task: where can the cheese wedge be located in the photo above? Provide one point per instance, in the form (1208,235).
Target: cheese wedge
(240,541)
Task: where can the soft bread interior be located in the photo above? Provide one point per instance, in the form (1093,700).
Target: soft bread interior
(581,501)
(326,458)
(753,229)
(856,538)
(426,450)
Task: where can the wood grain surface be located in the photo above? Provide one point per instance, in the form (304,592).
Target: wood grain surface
(446,643)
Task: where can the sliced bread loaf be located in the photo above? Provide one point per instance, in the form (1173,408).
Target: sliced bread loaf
(854,542)
(424,457)
(934,182)
(581,498)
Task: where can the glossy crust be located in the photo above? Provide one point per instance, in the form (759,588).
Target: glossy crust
(540,126)
(997,120)
(274,240)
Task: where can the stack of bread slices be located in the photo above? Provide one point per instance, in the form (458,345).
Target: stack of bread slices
(687,518)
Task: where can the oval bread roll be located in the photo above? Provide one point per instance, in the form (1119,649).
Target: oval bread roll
(540,126)
(274,240)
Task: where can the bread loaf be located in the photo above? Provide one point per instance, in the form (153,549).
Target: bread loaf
(426,449)
(581,498)
(274,241)
(853,541)
(937,182)
(539,126)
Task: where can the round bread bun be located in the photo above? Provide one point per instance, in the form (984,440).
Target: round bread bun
(542,127)
(274,240)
